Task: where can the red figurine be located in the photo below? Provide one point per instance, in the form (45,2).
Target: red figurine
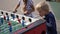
(9,23)
(10,26)
(4,17)
(19,20)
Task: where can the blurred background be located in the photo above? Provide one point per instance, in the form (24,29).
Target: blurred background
(9,5)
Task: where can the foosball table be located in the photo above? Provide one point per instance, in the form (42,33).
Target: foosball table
(11,23)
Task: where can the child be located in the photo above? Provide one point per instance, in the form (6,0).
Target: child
(43,10)
(28,7)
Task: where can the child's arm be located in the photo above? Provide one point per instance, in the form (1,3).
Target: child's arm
(15,10)
(51,22)
(17,6)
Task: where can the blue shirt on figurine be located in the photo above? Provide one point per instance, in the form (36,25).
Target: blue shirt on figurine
(7,18)
(23,21)
(10,28)
(1,20)
(51,23)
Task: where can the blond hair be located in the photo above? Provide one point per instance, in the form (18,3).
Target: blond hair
(42,6)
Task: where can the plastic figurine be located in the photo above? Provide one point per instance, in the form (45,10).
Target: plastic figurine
(23,21)
(18,19)
(10,26)
(7,16)
(30,20)
(13,16)
(2,19)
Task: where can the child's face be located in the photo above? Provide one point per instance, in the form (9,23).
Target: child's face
(41,13)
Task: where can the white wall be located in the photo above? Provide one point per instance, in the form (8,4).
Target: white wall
(7,4)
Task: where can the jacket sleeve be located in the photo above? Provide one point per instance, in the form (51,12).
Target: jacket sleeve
(51,22)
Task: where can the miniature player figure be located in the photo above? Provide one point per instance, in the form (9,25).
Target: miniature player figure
(3,15)
(13,16)
(2,18)
(7,17)
(10,26)
(18,18)
(30,20)
(23,21)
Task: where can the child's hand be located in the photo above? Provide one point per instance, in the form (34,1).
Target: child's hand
(14,11)
(26,12)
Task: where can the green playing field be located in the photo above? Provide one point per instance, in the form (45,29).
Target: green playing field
(5,28)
